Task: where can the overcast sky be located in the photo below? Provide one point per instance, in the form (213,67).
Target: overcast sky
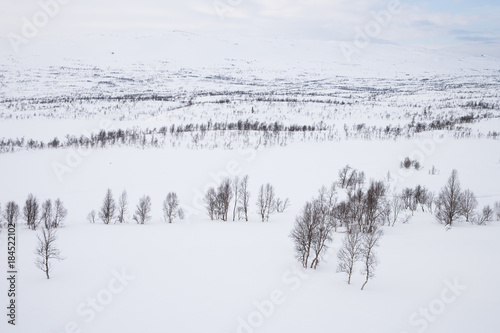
(459,25)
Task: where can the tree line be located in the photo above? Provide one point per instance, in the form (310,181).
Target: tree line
(364,209)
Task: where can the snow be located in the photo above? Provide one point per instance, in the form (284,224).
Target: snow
(199,275)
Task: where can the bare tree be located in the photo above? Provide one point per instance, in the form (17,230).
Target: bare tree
(468,204)
(122,207)
(330,204)
(430,201)
(31,211)
(281,205)
(343,176)
(270,200)
(60,213)
(395,206)
(368,243)
(322,235)
(47,213)
(11,213)
(497,210)
(210,200)
(236,192)
(357,209)
(107,212)
(170,205)
(266,201)
(244,196)
(303,232)
(375,205)
(224,196)
(486,216)
(408,197)
(448,208)
(342,215)
(143,210)
(180,213)
(421,194)
(349,253)
(91,217)
(46,251)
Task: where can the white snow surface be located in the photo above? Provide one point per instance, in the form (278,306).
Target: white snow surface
(197,275)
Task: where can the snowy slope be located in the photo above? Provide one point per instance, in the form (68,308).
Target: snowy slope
(198,275)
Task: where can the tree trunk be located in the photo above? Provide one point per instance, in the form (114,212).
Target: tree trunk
(364,283)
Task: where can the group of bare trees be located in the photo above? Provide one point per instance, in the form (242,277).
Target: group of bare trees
(312,232)
(231,193)
(234,194)
(50,216)
(361,215)
(413,198)
(452,203)
(350,178)
(408,163)
(363,209)
(10,214)
(359,247)
(118,212)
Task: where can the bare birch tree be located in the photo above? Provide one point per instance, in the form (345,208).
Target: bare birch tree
(266,201)
(11,213)
(448,208)
(210,200)
(349,253)
(468,204)
(236,192)
(46,251)
(107,212)
(303,232)
(143,210)
(170,205)
(60,213)
(30,212)
(368,243)
(122,207)
(244,196)
(47,213)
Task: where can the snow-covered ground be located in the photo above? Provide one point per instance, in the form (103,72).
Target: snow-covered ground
(197,275)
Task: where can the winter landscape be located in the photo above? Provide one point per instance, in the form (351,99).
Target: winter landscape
(193,180)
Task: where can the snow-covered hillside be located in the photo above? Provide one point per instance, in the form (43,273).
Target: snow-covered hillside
(192,110)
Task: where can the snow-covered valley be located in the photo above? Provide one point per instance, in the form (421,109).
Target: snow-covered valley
(151,120)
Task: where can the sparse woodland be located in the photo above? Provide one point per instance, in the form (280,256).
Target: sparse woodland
(358,219)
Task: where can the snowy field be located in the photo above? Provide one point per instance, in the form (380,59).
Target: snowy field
(198,275)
